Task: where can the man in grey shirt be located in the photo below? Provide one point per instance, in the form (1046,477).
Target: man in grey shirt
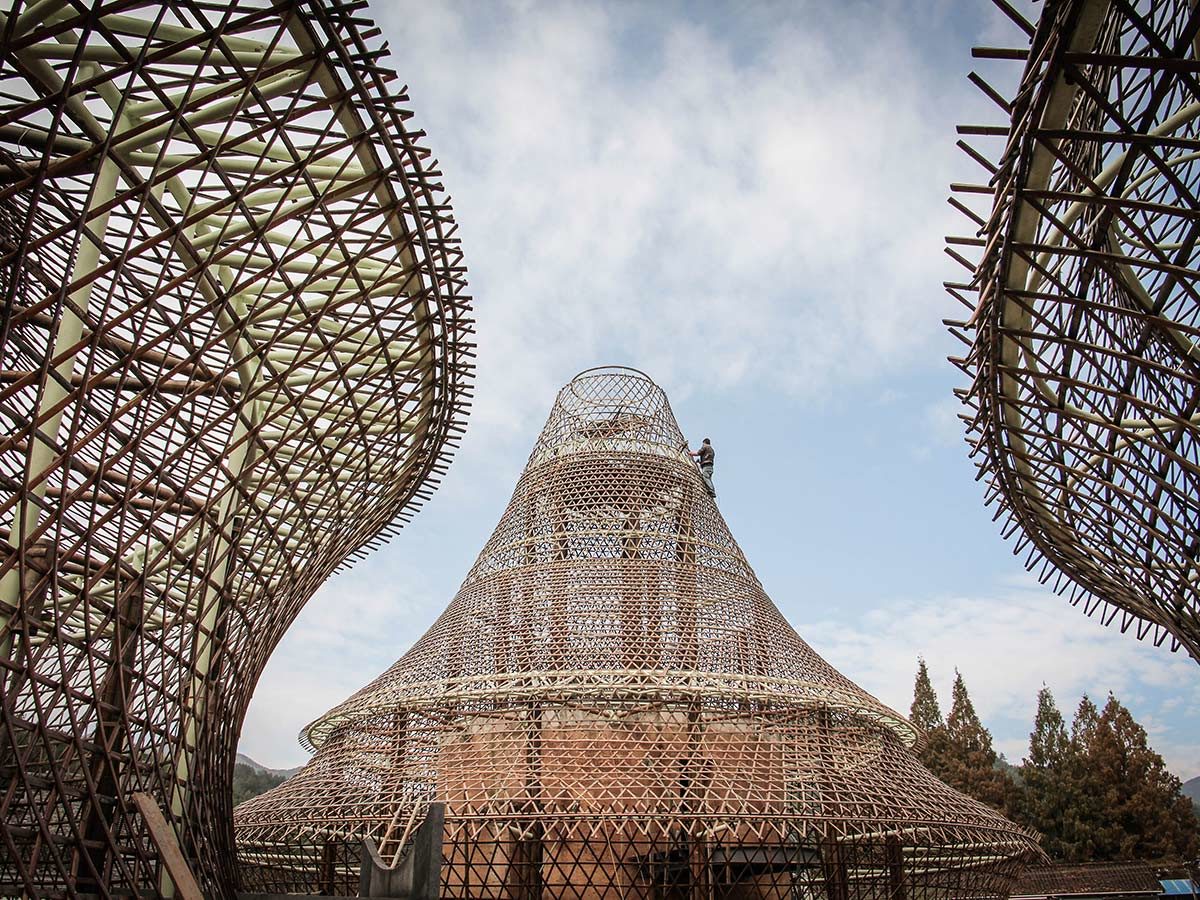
(706,455)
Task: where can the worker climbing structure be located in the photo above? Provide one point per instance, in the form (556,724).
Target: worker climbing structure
(611,706)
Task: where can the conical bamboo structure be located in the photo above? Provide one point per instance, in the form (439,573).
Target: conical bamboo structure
(612,707)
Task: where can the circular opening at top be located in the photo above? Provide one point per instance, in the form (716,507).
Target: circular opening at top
(626,371)
(608,390)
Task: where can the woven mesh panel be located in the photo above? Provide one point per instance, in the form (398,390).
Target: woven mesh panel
(234,355)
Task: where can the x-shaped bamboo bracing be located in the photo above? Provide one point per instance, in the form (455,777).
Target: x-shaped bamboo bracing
(1085,333)
(233,352)
(611,707)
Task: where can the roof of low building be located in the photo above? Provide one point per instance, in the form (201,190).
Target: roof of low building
(1087,879)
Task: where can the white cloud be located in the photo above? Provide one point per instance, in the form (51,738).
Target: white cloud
(770,219)
(353,629)
(1006,647)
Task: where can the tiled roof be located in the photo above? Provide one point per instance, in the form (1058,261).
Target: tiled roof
(1086,880)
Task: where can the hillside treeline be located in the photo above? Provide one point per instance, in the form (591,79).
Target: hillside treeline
(1094,791)
(250,782)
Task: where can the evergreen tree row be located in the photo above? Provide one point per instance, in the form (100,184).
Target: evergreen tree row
(1096,792)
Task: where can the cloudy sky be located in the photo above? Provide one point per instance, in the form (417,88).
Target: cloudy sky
(746,201)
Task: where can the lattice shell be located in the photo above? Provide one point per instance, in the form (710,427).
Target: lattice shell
(610,701)
(1084,365)
(234,351)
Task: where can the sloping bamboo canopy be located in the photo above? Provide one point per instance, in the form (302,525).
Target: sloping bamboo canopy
(1083,308)
(611,706)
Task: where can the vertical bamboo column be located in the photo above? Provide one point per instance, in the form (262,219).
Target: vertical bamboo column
(524,873)
(108,761)
(692,786)
(894,854)
(833,848)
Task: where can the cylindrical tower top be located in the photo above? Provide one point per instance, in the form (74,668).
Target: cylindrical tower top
(609,408)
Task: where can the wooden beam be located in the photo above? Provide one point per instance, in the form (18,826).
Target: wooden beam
(163,835)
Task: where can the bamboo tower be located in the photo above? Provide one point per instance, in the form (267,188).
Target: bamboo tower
(611,707)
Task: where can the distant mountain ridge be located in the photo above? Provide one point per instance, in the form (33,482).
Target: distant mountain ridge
(252,778)
(1191,788)
(282,773)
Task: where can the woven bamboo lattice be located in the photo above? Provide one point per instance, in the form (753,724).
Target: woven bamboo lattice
(1085,314)
(612,707)
(233,353)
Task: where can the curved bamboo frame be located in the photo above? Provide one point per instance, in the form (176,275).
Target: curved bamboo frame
(1084,361)
(234,354)
(611,706)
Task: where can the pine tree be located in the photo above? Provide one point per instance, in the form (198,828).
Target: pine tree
(1049,743)
(1084,724)
(925,712)
(1122,801)
(971,761)
(1145,812)
(1083,809)
(1047,776)
(927,716)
